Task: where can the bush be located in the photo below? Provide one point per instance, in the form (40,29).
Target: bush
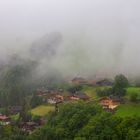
(133,97)
(74,89)
(104,92)
(36,118)
(36,101)
(137,84)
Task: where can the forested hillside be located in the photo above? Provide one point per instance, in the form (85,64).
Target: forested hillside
(82,121)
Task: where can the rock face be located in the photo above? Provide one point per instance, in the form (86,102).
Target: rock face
(46,46)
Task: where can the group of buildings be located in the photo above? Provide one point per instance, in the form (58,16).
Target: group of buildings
(56,96)
(13,110)
(27,126)
(95,82)
(59,96)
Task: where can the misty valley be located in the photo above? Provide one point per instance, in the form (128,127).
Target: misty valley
(69,70)
(33,107)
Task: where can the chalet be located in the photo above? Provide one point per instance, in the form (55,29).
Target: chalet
(104,82)
(79,80)
(74,97)
(54,98)
(110,102)
(15,109)
(41,94)
(79,96)
(59,97)
(52,101)
(4,120)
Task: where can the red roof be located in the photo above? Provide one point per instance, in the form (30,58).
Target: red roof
(3,117)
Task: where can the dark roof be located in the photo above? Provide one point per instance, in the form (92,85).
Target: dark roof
(104,82)
(78,79)
(116,99)
(3,117)
(113,98)
(80,95)
(83,96)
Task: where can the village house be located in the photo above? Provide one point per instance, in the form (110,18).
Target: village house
(54,98)
(51,96)
(79,80)
(51,101)
(41,94)
(110,102)
(4,120)
(79,96)
(104,82)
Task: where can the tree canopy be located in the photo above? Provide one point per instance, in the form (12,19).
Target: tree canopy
(121,82)
(80,121)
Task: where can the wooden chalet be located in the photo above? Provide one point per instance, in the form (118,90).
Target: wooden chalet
(104,82)
(41,94)
(79,96)
(79,80)
(54,98)
(110,102)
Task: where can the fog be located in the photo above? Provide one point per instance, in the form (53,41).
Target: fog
(88,38)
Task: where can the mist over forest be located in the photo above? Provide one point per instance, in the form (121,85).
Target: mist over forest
(65,39)
(69,70)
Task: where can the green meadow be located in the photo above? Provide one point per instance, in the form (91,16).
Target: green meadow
(42,110)
(128,109)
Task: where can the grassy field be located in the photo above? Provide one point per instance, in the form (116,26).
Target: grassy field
(128,109)
(91,91)
(132,90)
(42,110)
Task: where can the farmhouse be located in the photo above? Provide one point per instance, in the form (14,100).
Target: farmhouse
(52,101)
(79,96)
(79,80)
(54,98)
(104,82)
(41,94)
(74,97)
(110,102)
(4,120)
